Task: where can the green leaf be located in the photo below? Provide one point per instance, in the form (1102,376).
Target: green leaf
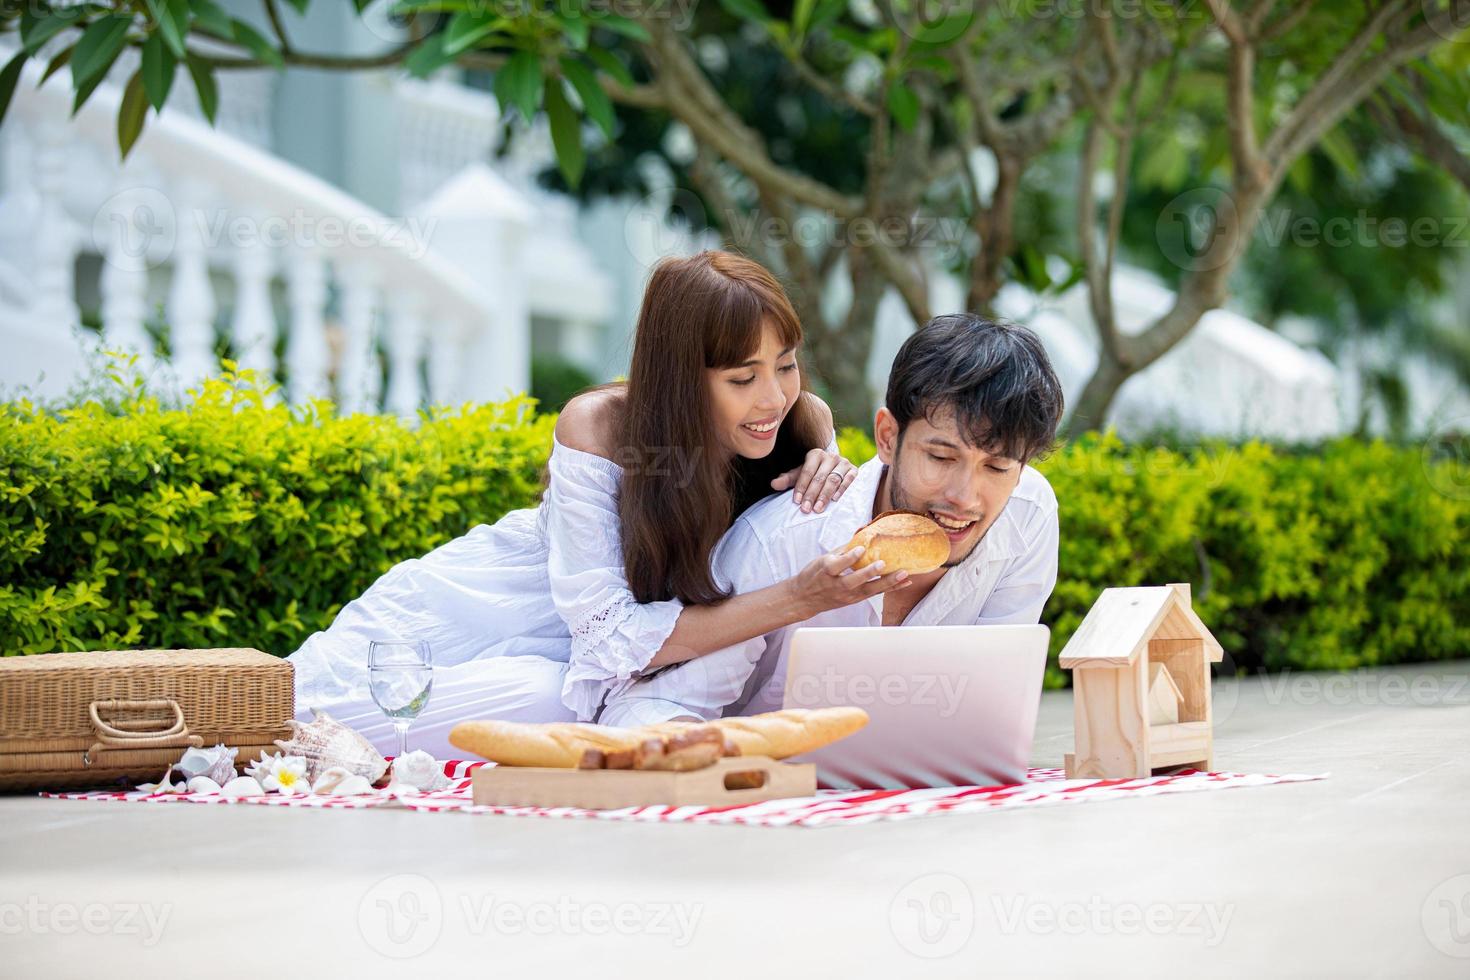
(599,107)
(172,17)
(826,12)
(752,10)
(9,76)
(609,63)
(468,27)
(301,5)
(428,57)
(566,134)
(159,65)
(257,42)
(519,83)
(801,16)
(205,86)
(99,45)
(57,63)
(35,32)
(85,90)
(624,26)
(210,16)
(1339,149)
(575,28)
(903,103)
(130,113)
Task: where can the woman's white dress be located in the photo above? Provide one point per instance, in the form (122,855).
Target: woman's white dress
(528,619)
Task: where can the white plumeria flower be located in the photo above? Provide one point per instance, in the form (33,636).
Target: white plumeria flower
(286,774)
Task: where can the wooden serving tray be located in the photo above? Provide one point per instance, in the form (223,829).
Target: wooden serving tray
(611,789)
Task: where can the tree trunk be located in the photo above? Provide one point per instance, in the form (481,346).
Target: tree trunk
(1093,404)
(839,352)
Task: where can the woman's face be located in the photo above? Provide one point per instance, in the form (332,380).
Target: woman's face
(751,401)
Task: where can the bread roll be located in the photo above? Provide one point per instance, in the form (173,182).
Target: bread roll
(903,540)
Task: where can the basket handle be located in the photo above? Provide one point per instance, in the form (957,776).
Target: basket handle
(111,736)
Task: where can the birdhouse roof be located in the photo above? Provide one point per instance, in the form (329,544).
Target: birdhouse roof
(1120,624)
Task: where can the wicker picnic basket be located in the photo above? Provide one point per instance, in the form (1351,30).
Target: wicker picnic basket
(69,720)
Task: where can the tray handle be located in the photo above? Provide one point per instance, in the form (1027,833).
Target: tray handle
(110,735)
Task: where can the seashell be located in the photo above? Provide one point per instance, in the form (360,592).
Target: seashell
(256,769)
(325,742)
(327,783)
(419,770)
(241,786)
(165,785)
(337,781)
(203,784)
(217,763)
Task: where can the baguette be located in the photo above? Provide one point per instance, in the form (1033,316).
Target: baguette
(903,540)
(556,745)
(782,734)
(674,745)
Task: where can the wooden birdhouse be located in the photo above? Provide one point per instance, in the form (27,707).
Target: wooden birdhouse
(1140,664)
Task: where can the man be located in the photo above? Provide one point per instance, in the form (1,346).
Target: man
(970,403)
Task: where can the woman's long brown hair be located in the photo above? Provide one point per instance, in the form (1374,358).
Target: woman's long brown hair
(678,493)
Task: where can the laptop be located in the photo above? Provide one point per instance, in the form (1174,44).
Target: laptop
(947,705)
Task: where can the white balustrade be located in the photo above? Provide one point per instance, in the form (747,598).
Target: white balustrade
(358,378)
(210,226)
(56,236)
(306,339)
(405,336)
(253,326)
(191,308)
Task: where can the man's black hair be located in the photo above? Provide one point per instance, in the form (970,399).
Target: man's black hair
(994,376)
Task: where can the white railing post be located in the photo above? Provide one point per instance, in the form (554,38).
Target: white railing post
(131,222)
(446,360)
(190,306)
(359,379)
(55,307)
(405,336)
(253,326)
(306,343)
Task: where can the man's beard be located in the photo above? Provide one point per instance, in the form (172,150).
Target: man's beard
(901,501)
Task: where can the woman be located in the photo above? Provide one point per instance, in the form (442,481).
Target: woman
(536,617)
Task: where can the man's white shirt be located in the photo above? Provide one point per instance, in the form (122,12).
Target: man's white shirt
(1006,579)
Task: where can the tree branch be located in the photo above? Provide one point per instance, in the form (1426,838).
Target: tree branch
(1419,130)
(693,101)
(1330,82)
(274,14)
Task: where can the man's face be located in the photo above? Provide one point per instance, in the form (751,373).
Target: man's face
(932,470)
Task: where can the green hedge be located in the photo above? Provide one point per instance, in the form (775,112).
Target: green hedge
(237,522)
(240,522)
(1350,555)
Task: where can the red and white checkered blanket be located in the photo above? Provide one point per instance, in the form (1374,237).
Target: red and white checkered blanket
(1043,787)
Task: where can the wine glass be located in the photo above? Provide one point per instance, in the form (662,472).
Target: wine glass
(400,675)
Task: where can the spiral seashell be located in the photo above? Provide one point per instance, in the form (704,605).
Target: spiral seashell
(325,743)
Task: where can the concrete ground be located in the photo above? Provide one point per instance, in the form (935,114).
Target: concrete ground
(1364,874)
